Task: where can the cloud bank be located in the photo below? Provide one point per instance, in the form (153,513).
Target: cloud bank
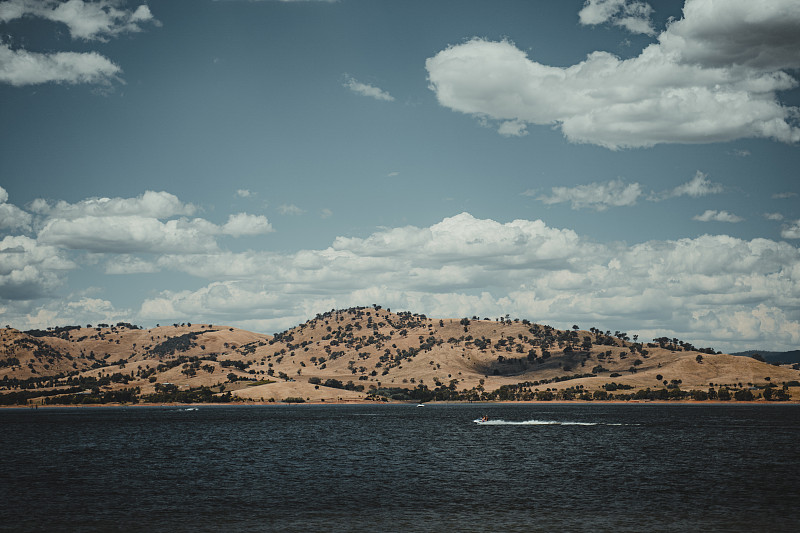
(711,290)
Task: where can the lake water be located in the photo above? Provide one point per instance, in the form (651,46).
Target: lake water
(537,467)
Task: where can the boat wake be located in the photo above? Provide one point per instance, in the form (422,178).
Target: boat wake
(539,423)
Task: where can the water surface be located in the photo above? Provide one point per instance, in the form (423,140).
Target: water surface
(535,467)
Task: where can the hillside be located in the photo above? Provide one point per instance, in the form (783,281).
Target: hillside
(370,353)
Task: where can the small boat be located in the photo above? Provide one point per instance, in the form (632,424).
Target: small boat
(420,405)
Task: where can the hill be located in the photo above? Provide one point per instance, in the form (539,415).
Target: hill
(365,353)
(781,358)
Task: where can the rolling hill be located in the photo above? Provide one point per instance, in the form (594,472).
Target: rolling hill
(370,353)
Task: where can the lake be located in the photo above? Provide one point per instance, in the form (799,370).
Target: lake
(535,467)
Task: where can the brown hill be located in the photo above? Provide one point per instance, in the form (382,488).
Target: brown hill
(370,352)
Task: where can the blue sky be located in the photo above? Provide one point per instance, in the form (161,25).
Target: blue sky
(622,164)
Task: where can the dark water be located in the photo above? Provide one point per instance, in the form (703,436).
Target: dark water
(402,468)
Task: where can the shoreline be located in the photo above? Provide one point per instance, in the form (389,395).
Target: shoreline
(364,402)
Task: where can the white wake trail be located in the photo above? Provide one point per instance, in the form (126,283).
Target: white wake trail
(538,423)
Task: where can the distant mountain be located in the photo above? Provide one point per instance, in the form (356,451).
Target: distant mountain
(784,358)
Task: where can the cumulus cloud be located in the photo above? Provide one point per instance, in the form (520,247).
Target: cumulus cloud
(791,231)
(513,128)
(244,224)
(629,14)
(711,215)
(137,234)
(773,216)
(70,310)
(21,67)
(761,35)
(367,90)
(11,216)
(28,269)
(130,234)
(713,76)
(710,290)
(138,225)
(784,195)
(597,196)
(149,204)
(86,20)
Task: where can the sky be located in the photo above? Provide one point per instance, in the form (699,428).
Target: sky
(622,164)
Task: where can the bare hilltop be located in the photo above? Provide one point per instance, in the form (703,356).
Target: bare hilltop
(372,354)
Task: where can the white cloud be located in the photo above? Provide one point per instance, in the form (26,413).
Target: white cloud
(629,14)
(243,193)
(700,83)
(598,196)
(698,186)
(71,310)
(149,204)
(290,209)
(20,67)
(711,215)
(136,234)
(513,128)
(134,225)
(758,34)
(29,269)
(773,216)
(85,20)
(791,231)
(220,298)
(784,195)
(11,216)
(130,234)
(325,213)
(367,90)
(244,224)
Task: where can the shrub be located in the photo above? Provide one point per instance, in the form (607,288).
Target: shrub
(293,399)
